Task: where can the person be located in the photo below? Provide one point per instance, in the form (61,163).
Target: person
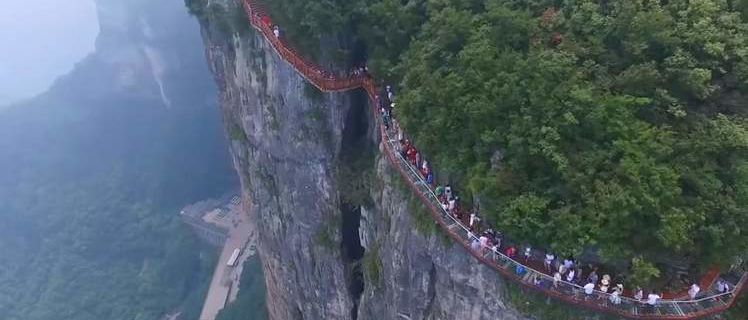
(639,294)
(520,269)
(570,275)
(266,20)
(693,291)
(495,249)
(556,279)
(429,178)
(619,287)
(474,219)
(276,31)
(593,277)
(475,245)
(448,191)
(549,257)
(405,147)
(615,297)
(495,239)
(528,253)
(579,279)
(510,252)
(722,286)
(589,288)
(385,118)
(445,205)
(439,192)
(536,280)
(568,263)
(400,134)
(483,242)
(653,298)
(451,206)
(605,283)
(424,166)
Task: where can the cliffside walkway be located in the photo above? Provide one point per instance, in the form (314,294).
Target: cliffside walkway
(709,302)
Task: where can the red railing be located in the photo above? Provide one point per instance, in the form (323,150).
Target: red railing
(668,308)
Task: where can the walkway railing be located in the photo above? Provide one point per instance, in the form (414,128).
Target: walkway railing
(572,293)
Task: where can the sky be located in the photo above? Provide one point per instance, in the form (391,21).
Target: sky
(42,40)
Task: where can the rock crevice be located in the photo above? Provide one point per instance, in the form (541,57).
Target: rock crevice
(322,197)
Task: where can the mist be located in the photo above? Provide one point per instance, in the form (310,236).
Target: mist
(42,40)
(100,147)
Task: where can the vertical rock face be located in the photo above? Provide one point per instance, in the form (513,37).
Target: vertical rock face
(285,141)
(289,143)
(423,275)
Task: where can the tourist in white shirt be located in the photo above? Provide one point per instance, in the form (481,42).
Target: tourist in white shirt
(549,257)
(556,279)
(568,264)
(652,298)
(639,294)
(528,253)
(722,286)
(693,291)
(474,219)
(276,31)
(589,288)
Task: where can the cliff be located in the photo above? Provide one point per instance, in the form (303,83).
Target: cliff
(339,236)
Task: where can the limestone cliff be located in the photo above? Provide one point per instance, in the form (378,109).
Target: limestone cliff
(329,252)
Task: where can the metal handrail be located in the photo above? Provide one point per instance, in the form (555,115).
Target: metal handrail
(597,294)
(432,194)
(314,75)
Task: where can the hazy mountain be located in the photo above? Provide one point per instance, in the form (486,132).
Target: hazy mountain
(93,171)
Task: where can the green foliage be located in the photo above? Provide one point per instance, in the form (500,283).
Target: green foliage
(311,92)
(421,218)
(236,132)
(372,266)
(541,307)
(612,137)
(327,233)
(325,238)
(196,8)
(356,178)
(642,272)
(740,309)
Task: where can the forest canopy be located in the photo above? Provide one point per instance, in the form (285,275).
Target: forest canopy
(617,126)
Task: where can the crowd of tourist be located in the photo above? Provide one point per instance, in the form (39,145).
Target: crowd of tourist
(488,242)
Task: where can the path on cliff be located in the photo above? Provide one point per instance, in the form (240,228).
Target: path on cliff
(673,307)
